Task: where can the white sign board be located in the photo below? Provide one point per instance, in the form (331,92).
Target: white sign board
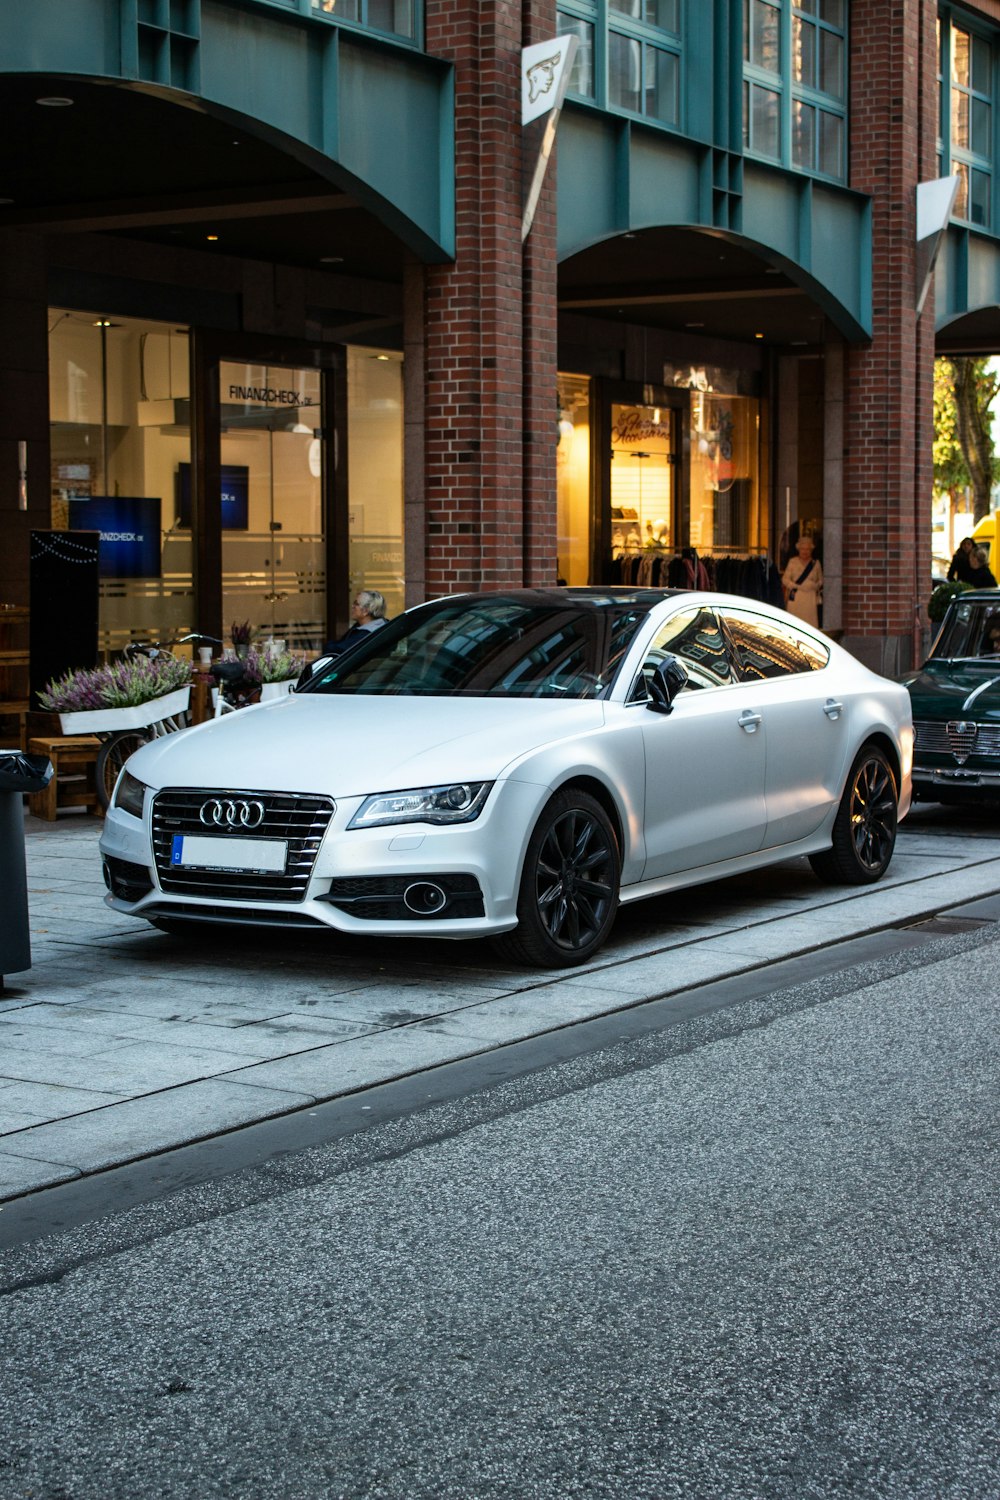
(935,201)
(544,75)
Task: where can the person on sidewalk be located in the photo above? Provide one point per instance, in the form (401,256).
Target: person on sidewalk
(979,574)
(802,582)
(961,564)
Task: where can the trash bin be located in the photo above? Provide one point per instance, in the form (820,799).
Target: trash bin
(19,773)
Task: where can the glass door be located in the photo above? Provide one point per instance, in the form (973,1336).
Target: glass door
(643,492)
(273,524)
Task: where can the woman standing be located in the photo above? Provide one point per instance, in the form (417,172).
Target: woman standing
(802,582)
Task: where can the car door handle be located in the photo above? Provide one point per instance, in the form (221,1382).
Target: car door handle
(748,720)
(832,708)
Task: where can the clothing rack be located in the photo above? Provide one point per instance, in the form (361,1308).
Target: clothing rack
(752,574)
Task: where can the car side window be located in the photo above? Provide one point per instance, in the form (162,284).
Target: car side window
(695,637)
(770,648)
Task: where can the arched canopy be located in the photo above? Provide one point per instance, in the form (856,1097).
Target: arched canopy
(710,215)
(686,278)
(301,139)
(967,293)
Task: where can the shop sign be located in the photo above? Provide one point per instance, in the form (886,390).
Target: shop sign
(638,424)
(268,395)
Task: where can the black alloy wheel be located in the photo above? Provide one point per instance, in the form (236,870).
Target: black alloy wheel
(864,831)
(112,755)
(569,887)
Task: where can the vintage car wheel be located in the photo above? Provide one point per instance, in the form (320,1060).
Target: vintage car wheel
(569,886)
(864,831)
(111,756)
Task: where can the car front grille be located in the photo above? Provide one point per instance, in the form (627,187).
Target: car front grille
(960,738)
(301,821)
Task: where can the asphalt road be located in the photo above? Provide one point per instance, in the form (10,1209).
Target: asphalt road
(754,1254)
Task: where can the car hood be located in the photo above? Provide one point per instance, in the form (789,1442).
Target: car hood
(344,746)
(941,690)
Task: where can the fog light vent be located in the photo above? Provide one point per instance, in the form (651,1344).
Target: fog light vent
(424,898)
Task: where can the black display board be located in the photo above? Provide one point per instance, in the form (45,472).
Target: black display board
(64,577)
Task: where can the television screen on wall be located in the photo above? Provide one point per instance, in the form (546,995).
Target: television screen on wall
(129,529)
(235,496)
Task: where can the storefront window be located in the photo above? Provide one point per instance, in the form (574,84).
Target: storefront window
(726,513)
(375,439)
(573,480)
(642,482)
(273,547)
(120,436)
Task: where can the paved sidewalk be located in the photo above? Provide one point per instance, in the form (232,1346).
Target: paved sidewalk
(121,1041)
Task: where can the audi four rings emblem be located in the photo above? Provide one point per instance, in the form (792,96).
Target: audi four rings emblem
(227,812)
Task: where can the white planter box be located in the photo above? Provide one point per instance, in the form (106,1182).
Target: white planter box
(110,720)
(276,689)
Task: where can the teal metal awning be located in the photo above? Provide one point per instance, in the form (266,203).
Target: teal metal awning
(371,118)
(618,177)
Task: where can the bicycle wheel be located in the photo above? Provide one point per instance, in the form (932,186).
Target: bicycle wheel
(112,755)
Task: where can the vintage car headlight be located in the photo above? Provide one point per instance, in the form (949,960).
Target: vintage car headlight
(129,794)
(458,803)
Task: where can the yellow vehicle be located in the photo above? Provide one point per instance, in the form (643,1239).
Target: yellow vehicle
(984,534)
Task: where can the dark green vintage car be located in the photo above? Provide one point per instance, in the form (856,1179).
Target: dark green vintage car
(956,705)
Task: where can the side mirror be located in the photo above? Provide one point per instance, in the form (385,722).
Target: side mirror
(666,682)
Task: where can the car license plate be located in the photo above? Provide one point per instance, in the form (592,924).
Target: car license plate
(238,856)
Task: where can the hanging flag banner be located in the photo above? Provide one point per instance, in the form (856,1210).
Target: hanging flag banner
(545,74)
(935,201)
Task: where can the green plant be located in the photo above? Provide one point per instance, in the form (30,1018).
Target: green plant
(937,605)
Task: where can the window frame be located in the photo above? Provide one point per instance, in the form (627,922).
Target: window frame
(951,156)
(307,10)
(607,22)
(790,93)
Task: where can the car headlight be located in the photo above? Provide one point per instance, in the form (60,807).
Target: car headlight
(459,802)
(129,794)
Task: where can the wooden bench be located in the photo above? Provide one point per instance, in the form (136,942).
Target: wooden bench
(13,710)
(73,783)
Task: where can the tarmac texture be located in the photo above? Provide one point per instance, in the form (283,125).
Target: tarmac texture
(753,1256)
(121,1042)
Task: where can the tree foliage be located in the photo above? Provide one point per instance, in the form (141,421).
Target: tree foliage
(964,389)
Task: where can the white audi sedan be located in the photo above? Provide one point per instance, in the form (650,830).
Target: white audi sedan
(518,764)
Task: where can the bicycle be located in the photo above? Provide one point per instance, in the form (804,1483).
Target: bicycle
(117,745)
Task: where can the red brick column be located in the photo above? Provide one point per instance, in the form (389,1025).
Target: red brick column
(489,473)
(540,356)
(888,429)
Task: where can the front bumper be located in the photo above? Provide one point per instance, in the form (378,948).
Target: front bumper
(406,880)
(929,778)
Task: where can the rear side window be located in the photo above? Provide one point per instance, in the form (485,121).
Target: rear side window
(695,637)
(771,648)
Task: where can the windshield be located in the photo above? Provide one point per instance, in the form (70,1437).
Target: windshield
(970,630)
(491,646)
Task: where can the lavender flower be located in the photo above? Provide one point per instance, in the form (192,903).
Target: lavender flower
(265,664)
(121,684)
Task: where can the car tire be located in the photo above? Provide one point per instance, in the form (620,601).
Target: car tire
(864,830)
(568,896)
